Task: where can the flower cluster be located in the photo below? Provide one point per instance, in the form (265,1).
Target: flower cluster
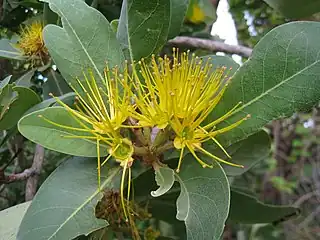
(172,95)
(179,95)
(101,111)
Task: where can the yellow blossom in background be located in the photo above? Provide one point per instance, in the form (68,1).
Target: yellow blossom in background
(197,16)
(31,42)
(179,95)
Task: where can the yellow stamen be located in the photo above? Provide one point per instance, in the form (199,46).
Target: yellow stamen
(99,166)
(203,164)
(180,160)
(179,95)
(217,158)
(122,190)
(64,126)
(31,41)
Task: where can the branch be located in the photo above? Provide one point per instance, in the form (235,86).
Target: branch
(32,182)
(211,45)
(18,176)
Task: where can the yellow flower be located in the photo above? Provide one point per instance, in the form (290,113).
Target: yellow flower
(31,41)
(101,111)
(198,15)
(179,95)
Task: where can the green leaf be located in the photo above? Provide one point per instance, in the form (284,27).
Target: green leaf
(86,41)
(165,180)
(8,51)
(295,8)
(204,199)
(222,62)
(114,24)
(178,10)
(51,102)
(143,27)
(245,208)
(25,79)
(247,152)
(55,84)
(48,15)
(5,82)
(168,202)
(6,96)
(11,219)
(266,231)
(38,130)
(25,100)
(63,208)
(281,77)
(156,205)
(201,11)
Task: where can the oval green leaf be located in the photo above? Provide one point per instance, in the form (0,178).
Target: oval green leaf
(86,41)
(178,10)
(295,8)
(25,79)
(143,27)
(8,51)
(63,208)
(203,203)
(12,218)
(5,82)
(245,208)
(25,100)
(282,77)
(66,98)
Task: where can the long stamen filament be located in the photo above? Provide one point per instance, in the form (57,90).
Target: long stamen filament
(122,190)
(217,158)
(99,166)
(180,160)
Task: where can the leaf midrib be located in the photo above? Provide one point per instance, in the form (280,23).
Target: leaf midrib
(271,89)
(79,40)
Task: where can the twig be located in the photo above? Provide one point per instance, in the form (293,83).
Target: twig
(32,182)
(18,176)
(309,218)
(211,45)
(305,198)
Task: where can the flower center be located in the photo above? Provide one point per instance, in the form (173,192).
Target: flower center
(187,133)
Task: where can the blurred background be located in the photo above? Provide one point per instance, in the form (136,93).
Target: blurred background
(290,175)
